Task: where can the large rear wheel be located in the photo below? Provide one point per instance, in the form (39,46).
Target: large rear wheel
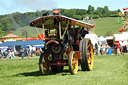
(73,63)
(81,55)
(43,64)
(86,54)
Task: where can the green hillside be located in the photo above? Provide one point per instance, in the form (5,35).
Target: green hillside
(31,31)
(102,26)
(107,24)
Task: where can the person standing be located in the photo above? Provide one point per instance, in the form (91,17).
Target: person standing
(5,53)
(101,49)
(28,52)
(12,52)
(121,49)
(33,51)
(115,47)
(30,48)
(84,32)
(2,52)
(96,49)
(9,56)
(118,49)
(127,48)
(22,52)
(106,49)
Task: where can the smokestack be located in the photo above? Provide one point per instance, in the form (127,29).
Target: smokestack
(56,12)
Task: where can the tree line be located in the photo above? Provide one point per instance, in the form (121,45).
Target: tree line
(15,20)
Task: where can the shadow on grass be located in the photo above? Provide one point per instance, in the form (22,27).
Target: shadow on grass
(37,73)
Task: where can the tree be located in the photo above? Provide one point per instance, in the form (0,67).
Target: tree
(17,19)
(81,12)
(95,16)
(71,12)
(97,12)
(78,17)
(106,11)
(100,9)
(90,9)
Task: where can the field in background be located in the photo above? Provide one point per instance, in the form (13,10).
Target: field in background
(107,24)
(31,31)
(102,26)
(108,70)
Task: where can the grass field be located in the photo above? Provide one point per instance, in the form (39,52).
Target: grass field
(108,70)
(32,32)
(102,26)
(107,24)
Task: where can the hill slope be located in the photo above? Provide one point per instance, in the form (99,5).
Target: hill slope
(107,24)
(102,26)
(31,31)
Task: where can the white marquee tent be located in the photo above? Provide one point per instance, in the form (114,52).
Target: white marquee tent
(92,37)
(119,37)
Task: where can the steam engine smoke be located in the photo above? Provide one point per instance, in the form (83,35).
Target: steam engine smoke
(35,4)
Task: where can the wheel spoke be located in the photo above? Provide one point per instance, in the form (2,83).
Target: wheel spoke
(88,46)
(73,65)
(44,67)
(87,54)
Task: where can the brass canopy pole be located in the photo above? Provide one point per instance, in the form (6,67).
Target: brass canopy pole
(38,32)
(65,30)
(60,29)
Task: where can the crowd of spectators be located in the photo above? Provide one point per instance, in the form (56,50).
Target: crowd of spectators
(118,49)
(30,51)
(7,53)
(101,49)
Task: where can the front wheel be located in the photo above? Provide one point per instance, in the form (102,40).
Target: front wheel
(73,63)
(43,64)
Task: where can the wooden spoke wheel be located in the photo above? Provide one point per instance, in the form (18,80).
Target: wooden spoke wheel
(87,54)
(81,55)
(43,64)
(73,63)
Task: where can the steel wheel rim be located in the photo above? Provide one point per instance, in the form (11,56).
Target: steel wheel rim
(90,54)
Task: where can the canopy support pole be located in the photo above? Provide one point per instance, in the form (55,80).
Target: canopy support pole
(38,32)
(65,30)
(60,30)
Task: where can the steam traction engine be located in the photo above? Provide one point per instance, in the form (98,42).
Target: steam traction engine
(63,44)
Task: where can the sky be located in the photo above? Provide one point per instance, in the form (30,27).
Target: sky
(12,6)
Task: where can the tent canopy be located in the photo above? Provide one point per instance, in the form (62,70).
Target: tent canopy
(120,37)
(48,20)
(31,42)
(93,38)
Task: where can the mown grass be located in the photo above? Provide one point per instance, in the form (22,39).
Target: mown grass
(107,24)
(108,70)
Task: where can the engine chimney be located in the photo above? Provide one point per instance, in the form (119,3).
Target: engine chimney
(56,12)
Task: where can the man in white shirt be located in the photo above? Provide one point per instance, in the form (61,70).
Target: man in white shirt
(33,50)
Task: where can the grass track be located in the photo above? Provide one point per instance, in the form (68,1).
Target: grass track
(108,70)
